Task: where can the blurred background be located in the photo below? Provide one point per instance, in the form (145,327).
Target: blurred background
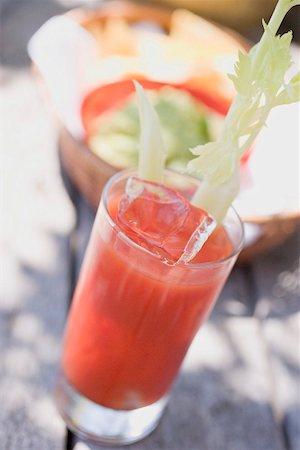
(20,19)
(20,90)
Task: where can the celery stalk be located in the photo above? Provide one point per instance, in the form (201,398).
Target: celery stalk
(151,151)
(259,81)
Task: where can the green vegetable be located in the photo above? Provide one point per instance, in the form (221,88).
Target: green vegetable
(259,81)
(152,153)
(184,123)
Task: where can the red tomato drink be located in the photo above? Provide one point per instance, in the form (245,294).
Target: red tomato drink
(133,316)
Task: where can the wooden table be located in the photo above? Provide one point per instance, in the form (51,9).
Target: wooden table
(233,391)
(239,387)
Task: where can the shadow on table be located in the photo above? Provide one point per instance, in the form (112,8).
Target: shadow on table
(32,317)
(19,20)
(205,414)
(209,409)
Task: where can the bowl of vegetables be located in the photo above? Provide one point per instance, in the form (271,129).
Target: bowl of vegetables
(112,127)
(187,83)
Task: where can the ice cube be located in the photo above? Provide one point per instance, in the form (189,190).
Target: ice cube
(163,221)
(198,239)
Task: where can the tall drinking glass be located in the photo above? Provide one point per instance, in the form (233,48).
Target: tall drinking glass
(131,322)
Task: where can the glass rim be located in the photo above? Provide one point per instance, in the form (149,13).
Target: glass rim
(191,266)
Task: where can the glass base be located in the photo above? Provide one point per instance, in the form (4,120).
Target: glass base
(103,425)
